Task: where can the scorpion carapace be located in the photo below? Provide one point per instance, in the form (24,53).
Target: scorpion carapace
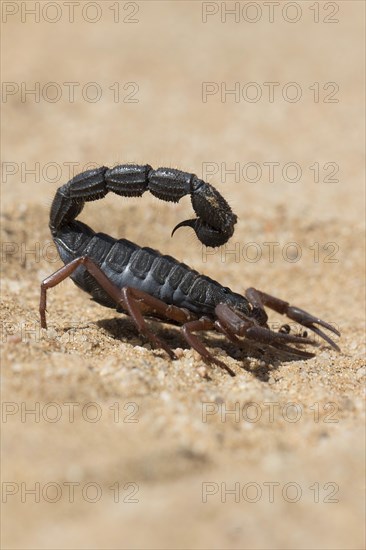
(141,281)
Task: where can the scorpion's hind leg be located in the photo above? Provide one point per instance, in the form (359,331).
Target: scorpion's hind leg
(260,299)
(128,298)
(67,270)
(53,280)
(136,303)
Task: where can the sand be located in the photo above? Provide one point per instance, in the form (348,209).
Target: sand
(106,443)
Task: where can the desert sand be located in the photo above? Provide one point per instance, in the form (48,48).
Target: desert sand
(106,443)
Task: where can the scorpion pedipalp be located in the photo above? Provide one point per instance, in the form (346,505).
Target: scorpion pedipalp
(234,324)
(260,299)
(309,321)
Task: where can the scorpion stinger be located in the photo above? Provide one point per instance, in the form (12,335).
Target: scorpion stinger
(140,281)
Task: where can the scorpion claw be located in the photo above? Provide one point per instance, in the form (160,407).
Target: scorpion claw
(309,321)
(324,336)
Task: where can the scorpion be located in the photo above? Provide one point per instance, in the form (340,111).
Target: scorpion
(140,281)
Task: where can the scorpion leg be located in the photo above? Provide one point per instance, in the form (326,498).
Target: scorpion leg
(135,301)
(233,338)
(261,299)
(202,324)
(228,333)
(131,299)
(65,271)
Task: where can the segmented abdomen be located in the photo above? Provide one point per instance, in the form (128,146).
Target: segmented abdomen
(127,264)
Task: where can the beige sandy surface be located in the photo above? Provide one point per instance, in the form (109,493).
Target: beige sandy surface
(126,449)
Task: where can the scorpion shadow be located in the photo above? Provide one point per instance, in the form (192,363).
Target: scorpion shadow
(124,330)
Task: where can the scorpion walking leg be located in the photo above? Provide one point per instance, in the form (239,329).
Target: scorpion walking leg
(135,300)
(65,271)
(202,324)
(130,299)
(220,327)
(53,280)
(233,338)
(261,299)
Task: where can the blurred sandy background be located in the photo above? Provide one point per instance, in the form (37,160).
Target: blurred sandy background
(160,435)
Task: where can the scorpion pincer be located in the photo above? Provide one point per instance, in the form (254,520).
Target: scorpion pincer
(140,281)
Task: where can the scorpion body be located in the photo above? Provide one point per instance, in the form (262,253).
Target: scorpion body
(140,281)
(127,264)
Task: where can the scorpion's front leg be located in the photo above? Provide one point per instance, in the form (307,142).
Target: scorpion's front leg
(202,324)
(232,323)
(226,329)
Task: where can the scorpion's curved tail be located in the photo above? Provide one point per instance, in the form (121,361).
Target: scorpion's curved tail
(215,220)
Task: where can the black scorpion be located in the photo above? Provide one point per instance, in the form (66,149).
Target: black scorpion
(140,281)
